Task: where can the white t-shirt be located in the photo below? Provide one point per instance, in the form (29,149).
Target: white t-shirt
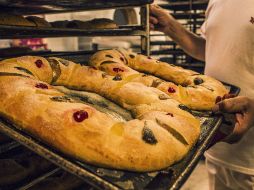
(229,33)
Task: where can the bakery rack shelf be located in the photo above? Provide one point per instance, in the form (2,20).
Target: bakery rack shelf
(21,7)
(156,43)
(168,51)
(191,14)
(12,32)
(187,15)
(58,6)
(185,5)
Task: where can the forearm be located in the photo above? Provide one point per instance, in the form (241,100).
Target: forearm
(191,43)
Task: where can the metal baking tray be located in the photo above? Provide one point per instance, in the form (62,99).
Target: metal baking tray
(102,178)
(59,6)
(17,32)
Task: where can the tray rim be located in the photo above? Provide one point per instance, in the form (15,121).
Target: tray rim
(195,159)
(16,32)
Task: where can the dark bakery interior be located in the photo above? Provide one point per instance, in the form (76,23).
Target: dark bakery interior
(75,30)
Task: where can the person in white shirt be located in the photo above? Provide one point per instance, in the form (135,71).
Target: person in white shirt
(227,48)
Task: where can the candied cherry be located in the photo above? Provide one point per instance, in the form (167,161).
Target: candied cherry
(41,85)
(117,70)
(38,63)
(171,90)
(80,115)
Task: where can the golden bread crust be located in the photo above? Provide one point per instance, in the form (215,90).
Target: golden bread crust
(192,89)
(160,135)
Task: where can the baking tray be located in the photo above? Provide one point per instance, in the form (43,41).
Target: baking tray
(17,32)
(59,6)
(102,178)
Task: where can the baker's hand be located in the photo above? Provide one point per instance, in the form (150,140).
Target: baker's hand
(159,18)
(243,108)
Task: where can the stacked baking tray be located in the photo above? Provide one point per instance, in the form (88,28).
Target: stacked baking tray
(185,4)
(21,7)
(17,32)
(59,6)
(191,13)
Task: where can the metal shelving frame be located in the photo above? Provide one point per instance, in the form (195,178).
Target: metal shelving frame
(17,32)
(193,15)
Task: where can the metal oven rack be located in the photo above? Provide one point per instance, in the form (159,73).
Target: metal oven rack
(59,6)
(191,13)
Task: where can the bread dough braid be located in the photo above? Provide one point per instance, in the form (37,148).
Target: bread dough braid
(192,89)
(160,135)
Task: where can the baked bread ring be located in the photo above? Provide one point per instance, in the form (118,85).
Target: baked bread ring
(160,134)
(192,89)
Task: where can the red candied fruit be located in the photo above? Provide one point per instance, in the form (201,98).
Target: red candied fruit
(41,85)
(170,114)
(149,57)
(171,90)
(80,115)
(117,70)
(39,63)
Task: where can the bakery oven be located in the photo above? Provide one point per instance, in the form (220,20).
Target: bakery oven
(28,163)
